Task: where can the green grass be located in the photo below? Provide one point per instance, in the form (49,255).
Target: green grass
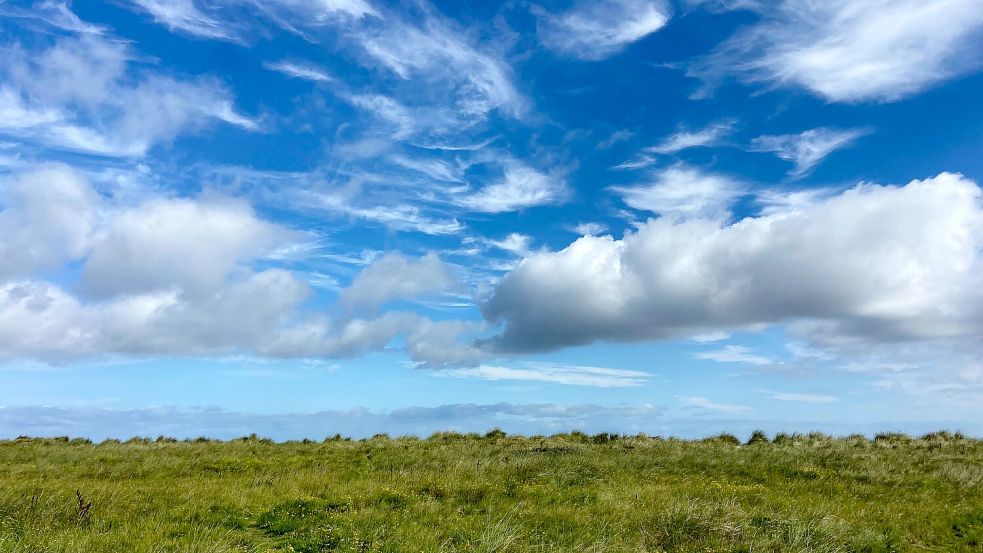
(468,493)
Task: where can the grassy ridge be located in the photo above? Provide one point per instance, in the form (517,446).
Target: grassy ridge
(453,492)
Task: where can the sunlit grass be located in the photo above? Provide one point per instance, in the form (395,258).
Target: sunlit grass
(468,493)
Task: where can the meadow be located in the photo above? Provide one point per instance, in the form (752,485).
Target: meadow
(453,492)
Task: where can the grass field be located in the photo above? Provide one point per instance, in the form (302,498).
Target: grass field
(456,492)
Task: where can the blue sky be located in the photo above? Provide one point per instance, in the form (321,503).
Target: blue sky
(363,216)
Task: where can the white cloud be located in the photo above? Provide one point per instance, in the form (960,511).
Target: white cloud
(808,148)
(178,276)
(299,70)
(184,16)
(521,187)
(598,377)
(189,243)
(682,140)
(706,404)
(709,337)
(600,29)
(514,243)
(224,19)
(872,263)
(735,354)
(46,219)
(848,51)
(398,216)
(591,228)
(455,72)
(78,95)
(52,12)
(801,398)
(616,137)
(394,276)
(802,350)
(681,191)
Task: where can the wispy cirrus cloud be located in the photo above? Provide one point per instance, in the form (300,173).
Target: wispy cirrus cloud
(597,30)
(704,404)
(799,397)
(299,70)
(845,51)
(807,149)
(81,95)
(574,375)
(735,354)
(684,139)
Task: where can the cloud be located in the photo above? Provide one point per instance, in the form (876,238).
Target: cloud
(515,418)
(808,148)
(709,337)
(54,13)
(521,187)
(597,30)
(186,276)
(681,191)
(592,228)
(735,354)
(703,403)
(299,70)
(598,377)
(801,398)
(682,140)
(183,16)
(871,263)
(616,137)
(527,418)
(223,19)
(846,51)
(192,243)
(456,72)
(514,243)
(46,220)
(393,276)
(78,95)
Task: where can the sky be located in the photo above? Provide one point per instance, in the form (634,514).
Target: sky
(298,218)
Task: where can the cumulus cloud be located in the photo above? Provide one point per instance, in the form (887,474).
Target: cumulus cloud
(393,276)
(79,95)
(597,30)
(521,187)
(182,276)
(874,262)
(189,243)
(46,219)
(846,51)
(807,149)
(681,192)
